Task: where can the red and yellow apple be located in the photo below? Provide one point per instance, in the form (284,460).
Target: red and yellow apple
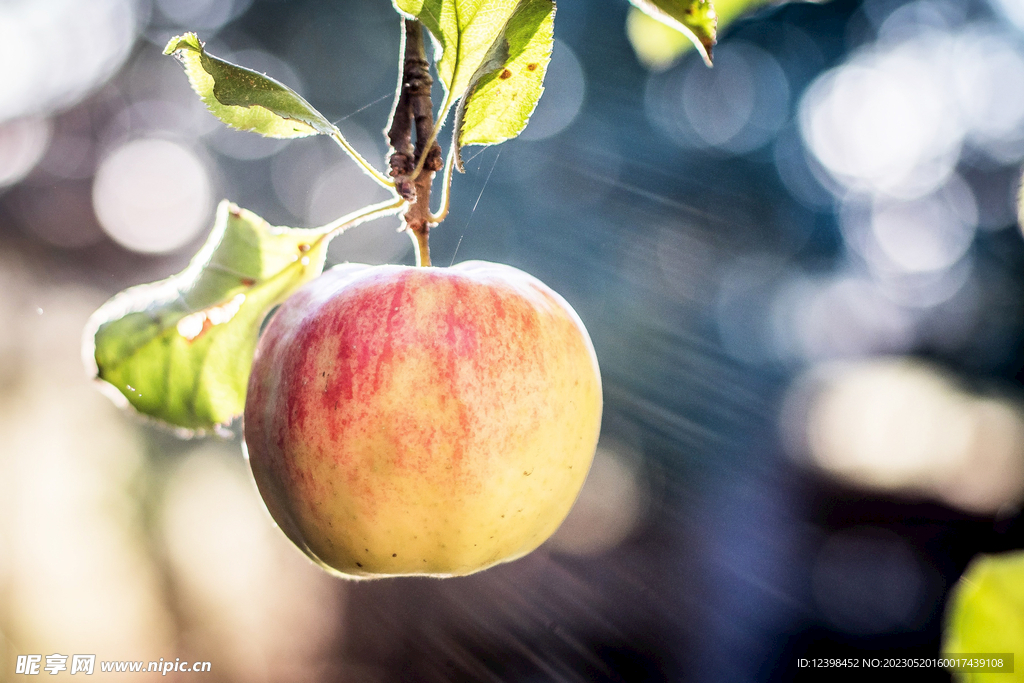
(422,420)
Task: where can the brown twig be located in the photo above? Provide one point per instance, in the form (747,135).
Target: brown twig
(414,111)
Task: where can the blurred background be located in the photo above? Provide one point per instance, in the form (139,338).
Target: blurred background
(801,271)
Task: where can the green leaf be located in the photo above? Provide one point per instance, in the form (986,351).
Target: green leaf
(493,53)
(657,46)
(985,613)
(699,21)
(245,99)
(509,82)
(695,19)
(180,350)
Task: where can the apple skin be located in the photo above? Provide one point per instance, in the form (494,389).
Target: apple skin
(427,421)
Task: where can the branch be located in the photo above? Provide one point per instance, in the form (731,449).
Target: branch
(414,111)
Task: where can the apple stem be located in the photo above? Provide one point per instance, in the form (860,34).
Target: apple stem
(414,109)
(422,238)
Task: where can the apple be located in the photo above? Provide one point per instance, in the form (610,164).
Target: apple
(417,420)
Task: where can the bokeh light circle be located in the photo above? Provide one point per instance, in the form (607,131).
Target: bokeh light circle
(152,196)
(23,143)
(209,15)
(57,51)
(737,107)
(902,426)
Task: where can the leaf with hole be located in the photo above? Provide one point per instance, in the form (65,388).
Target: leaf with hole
(246,99)
(508,84)
(180,350)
